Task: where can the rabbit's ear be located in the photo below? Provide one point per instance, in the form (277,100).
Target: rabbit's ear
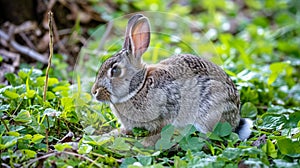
(140,37)
(130,24)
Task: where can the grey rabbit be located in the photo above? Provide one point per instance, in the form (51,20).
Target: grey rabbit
(183,89)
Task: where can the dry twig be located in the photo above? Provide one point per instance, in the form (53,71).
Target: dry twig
(63,152)
(50,54)
(22,49)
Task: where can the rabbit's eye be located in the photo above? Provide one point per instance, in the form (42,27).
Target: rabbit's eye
(115,71)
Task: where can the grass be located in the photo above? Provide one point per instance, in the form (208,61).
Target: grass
(260,52)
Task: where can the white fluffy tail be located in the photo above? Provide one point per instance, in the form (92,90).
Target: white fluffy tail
(244,128)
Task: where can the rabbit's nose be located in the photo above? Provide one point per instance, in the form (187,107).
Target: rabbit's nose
(100,93)
(94,91)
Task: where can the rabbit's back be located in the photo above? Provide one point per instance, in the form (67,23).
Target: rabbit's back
(206,91)
(187,65)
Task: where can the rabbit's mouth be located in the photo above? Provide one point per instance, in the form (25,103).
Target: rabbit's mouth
(101,94)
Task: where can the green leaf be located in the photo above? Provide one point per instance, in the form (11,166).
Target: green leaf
(185,132)
(280,163)
(61,147)
(127,161)
(188,130)
(23,75)
(232,153)
(8,141)
(254,162)
(163,144)
(70,115)
(52,81)
(279,109)
(4,108)
(30,94)
(29,153)
(278,68)
(289,147)
(248,110)
(61,88)
(191,143)
(272,121)
(37,138)
(13,79)
(23,116)
(13,133)
(33,73)
(69,112)
(157,153)
(50,95)
(10,94)
(144,160)
(166,135)
(167,131)
(222,129)
(89,130)
(40,81)
(293,120)
(178,162)
(85,148)
(67,103)
(96,140)
(27,137)
(120,144)
(269,148)
(83,99)
(213,136)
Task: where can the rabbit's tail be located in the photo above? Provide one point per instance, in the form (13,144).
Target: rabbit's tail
(244,128)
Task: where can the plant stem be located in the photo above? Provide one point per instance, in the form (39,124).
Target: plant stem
(6,127)
(47,132)
(59,153)
(50,14)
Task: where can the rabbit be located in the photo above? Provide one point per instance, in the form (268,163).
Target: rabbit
(183,89)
